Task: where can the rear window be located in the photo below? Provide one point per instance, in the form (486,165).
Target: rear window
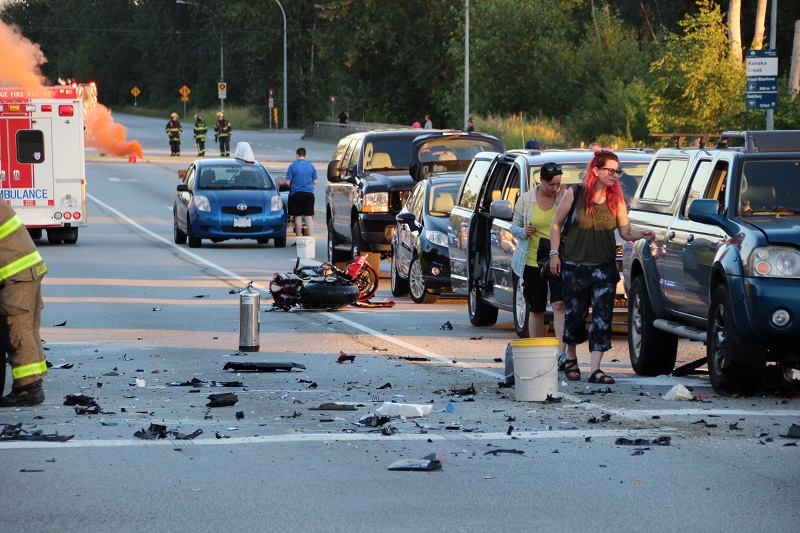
(235,177)
(30,146)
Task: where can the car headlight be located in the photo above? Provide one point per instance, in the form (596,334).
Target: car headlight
(775,262)
(201,203)
(276,203)
(437,237)
(376,202)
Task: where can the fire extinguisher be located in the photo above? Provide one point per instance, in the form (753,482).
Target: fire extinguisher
(249,324)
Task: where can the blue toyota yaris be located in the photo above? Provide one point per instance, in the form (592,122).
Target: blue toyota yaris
(229,198)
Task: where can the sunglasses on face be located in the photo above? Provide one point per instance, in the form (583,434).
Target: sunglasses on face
(610,170)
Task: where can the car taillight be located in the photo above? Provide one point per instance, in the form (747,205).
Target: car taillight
(67,215)
(47,108)
(66,111)
(76,215)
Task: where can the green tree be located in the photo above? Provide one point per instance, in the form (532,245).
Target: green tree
(695,86)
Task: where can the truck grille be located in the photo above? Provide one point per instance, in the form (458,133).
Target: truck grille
(397,199)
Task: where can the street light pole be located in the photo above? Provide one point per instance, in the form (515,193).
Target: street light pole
(221,55)
(285,113)
(466,65)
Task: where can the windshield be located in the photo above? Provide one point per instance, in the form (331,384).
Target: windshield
(770,187)
(235,177)
(632,173)
(442,198)
(388,154)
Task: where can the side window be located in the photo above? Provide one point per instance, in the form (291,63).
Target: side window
(663,181)
(190,178)
(352,160)
(697,186)
(417,201)
(494,190)
(472,184)
(511,191)
(30,146)
(717,185)
(338,154)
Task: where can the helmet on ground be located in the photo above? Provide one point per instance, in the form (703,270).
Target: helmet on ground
(174,115)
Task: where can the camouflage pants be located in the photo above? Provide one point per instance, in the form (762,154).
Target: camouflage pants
(587,286)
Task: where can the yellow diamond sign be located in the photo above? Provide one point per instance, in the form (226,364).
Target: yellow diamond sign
(184,91)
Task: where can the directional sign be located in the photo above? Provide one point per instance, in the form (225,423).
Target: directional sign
(762,79)
(184,91)
(761,100)
(762,84)
(135,91)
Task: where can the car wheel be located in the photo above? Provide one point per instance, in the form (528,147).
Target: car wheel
(728,374)
(35,233)
(335,257)
(280,242)
(177,235)
(263,241)
(70,235)
(194,242)
(480,313)
(54,236)
(652,351)
(521,314)
(399,285)
(373,259)
(416,284)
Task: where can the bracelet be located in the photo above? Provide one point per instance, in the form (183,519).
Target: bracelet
(553,252)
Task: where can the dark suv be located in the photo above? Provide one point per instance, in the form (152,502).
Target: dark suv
(370,178)
(724,268)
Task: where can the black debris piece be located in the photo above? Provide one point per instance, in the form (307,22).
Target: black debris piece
(793,433)
(194,382)
(504,385)
(413,358)
(344,357)
(156,309)
(388,432)
(446,326)
(227,399)
(93,409)
(503,450)
(235,291)
(734,426)
(112,374)
(551,399)
(791,444)
(78,399)
(374,421)
(239,415)
(313,385)
(426,464)
(221,436)
(377,349)
(30,470)
(510,418)
(604,418)
(182,436)
(640,452)
(155,431)
(466,392)
(659,441)
(262,367)
(690,368)
(231,384)
(65,366)
(588,439)
(199,296)
(476,338)
(510,429)
(293,415)
(701,421)
(386,385)
(498,359)
(108,423)
(60,325)
(15,432)
(333,407)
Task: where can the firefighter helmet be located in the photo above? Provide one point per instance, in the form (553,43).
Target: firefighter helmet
(220,114)
(174,115)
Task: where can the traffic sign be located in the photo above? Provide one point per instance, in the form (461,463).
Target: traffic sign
(222,90)
(136,92)
(762,84)
(761,100)
(333,99)
(185,98)
(271,102)
(762,79)
(271,93)
(184,91)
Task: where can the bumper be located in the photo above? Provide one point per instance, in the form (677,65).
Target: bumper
(435,263)
(756,303)
(377,231)
(216,226)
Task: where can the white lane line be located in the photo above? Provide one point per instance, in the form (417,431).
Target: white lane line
(340,437)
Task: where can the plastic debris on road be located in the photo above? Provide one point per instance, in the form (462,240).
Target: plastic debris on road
(227,399)
(408,410)
(426,464)
(678,392)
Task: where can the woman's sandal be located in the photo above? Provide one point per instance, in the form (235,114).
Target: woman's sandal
(571,370)
(598,376)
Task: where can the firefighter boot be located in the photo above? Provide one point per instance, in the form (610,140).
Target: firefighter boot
(24,396)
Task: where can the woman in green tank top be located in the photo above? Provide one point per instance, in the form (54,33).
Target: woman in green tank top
(588,266)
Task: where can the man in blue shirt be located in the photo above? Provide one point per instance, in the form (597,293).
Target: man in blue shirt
(301,177)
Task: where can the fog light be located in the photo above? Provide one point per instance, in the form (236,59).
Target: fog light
(780,317)
(436,271)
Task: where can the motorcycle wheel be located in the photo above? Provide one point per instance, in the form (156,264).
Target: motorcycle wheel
(367,282)
(325,296)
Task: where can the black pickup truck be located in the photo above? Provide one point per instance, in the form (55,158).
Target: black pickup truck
(724,268)
(371,176)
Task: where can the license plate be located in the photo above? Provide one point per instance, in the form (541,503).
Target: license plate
(242,222)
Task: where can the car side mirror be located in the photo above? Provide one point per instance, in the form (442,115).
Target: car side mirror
(706,211)
(501,209)
(182,187)
(405,218)
(335,171)
(283,185)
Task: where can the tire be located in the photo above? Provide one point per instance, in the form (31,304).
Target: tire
(280,242)
(373,259)
(335,257)
(70,235)
(652,351)
(54,236)
(727,373)
(324,296)
(521,314)
(399,285)
(263,241)
(416,284)
(480,314)
(367,282)
(177,235)
(35,233)
(194,242)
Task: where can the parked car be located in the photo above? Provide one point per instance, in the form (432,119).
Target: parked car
(228,198)
(420,259)
(724,267)
(370,178)
(479,234)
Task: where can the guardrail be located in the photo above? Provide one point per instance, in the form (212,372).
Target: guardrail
(333,131)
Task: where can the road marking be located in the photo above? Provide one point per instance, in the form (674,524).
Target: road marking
(339,437)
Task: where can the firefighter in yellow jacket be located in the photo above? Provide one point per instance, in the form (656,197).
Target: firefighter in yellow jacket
(174,130)
(21,272)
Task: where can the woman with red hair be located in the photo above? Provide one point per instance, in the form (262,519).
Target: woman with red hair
(588,260)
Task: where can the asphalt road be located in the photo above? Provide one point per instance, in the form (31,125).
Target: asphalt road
(140,313)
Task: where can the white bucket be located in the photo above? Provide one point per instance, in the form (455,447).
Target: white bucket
(305,247)
(535,368)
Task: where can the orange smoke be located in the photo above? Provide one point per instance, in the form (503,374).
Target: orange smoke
(20,60)
(107,136)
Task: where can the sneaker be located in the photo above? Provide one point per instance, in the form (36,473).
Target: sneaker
(23,398)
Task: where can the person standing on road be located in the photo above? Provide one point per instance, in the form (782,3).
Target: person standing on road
(222,133)
(588,266)
(301,177)
(533,215)
(174,131)
(428,123)
(21,272)
(200,131)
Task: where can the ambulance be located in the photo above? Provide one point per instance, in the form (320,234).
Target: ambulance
(42,163)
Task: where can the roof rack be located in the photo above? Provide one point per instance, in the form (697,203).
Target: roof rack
(700,138)
(764,141)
